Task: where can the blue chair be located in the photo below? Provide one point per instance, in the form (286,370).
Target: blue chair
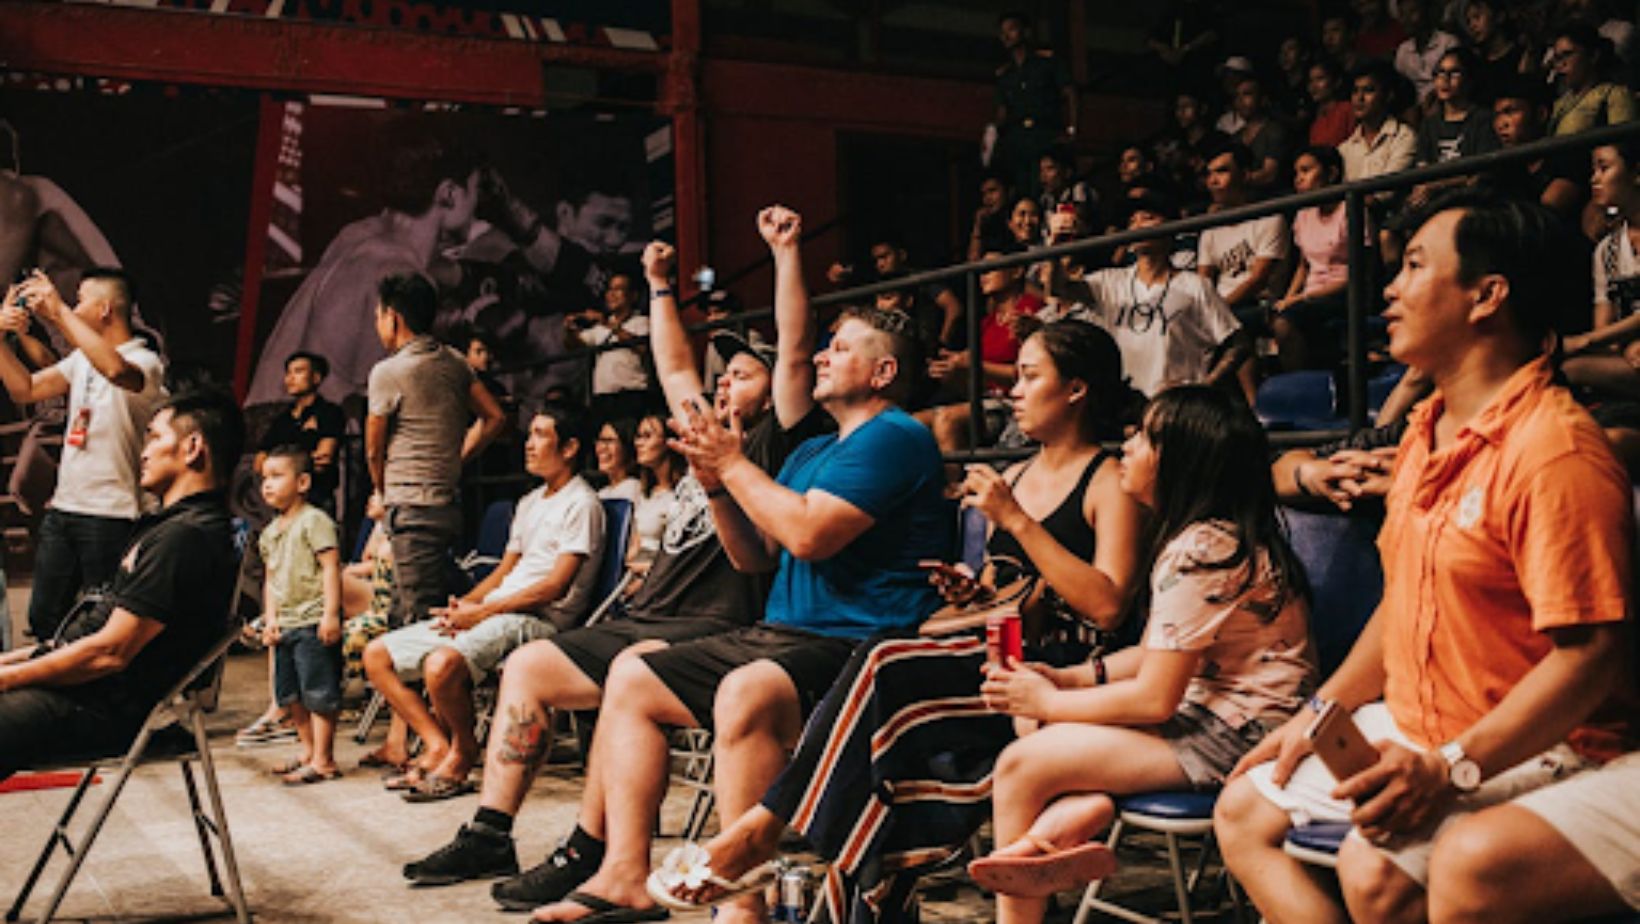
(1304,400)
(612,573)
(1173,815)
(1380,386)
(491,545)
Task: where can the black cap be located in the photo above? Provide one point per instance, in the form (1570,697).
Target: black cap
(730,344)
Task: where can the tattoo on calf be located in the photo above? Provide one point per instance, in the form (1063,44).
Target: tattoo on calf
(524,738)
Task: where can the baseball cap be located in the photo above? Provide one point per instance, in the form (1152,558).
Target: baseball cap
(730,344)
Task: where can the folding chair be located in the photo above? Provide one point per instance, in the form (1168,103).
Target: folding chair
(691,748)
(186,705)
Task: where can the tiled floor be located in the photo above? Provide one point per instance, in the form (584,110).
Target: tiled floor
(331,853)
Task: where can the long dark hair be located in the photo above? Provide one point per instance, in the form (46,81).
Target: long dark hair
(1214,464)
(1085,352)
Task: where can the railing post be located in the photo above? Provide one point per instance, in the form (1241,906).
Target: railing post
(1355,217)
(976,368)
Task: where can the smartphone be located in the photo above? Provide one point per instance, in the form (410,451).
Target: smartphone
(1339,743)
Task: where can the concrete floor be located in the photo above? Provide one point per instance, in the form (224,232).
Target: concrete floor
(332,852)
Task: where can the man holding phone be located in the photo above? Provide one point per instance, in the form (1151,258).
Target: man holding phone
(1499,657)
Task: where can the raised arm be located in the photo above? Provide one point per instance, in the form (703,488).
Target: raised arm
(668,341)
(782,228)
(23,386)
(46,303)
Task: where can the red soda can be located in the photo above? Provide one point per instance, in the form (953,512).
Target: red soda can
(1004,637)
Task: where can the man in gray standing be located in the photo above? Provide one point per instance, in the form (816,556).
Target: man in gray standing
(422,397)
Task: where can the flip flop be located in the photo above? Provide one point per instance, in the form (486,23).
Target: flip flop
(435,788)
(1054,870)
(404,781)
(374,761)
(605,911)
(690,866)
(309,774)
(288,767)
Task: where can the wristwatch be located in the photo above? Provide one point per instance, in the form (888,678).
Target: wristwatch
(1464,773)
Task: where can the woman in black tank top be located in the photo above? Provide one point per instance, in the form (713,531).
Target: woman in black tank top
(906,715)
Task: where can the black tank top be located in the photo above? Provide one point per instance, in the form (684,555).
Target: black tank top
(1065,524)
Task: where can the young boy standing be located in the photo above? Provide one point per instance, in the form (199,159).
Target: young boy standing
(302,601)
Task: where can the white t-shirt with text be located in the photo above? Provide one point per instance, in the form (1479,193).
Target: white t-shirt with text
(100,474)
(1166,332)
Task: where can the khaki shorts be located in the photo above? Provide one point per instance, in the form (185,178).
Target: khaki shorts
(1307,797)
(483,647)
(1598,812)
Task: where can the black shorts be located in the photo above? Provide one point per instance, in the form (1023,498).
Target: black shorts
(692,671)
(593,648)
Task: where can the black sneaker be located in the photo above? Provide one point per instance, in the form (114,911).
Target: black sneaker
(548,882)
(473,854)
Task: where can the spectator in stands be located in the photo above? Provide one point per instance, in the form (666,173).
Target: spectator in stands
(1417,57)
(1381,143)
(1503,634)
(167,604)
(1134,163)
(1179,147)
(1240,260)
(1063,191)
(1171,326)
(620,382)
(616,453)
(1025,223)
(1378,35)
(721,304)
(113,382)
(421,398)
(543,585)
(1036,102)
(1007,306)
(1501,56)
(1265,138)
(311,422)
(1079,546)
(1338,26)
(1334,115)
(1300,320)
(1289,96)
(1519,115)
(1226,657)
(1232,72)
(693,590)
(935,307)
(1492,864)
(478,347)
(990,230)
(660,468)
(1588,97)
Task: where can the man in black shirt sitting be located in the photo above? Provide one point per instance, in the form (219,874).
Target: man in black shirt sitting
(88,691)
(310,422)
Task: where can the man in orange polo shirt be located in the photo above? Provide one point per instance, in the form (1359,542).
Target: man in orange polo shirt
(1494,664)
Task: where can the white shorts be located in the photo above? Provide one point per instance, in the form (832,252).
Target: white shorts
(1307,797)
(1598,812)
(483,647)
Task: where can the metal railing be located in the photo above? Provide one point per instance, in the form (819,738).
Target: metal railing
(1353,194)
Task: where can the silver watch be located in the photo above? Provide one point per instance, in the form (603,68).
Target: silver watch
(1464,773)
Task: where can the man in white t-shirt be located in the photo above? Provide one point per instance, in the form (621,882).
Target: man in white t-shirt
(1171,326)
(113,382)
(1240,259)
(620,383)
(542,586)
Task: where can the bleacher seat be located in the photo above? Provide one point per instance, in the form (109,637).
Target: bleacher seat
(1304,400)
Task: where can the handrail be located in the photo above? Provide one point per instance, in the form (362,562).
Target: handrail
(1354,194)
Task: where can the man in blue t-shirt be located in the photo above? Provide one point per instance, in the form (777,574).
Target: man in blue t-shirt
(843,527)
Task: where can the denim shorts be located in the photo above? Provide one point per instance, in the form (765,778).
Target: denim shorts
(308,671)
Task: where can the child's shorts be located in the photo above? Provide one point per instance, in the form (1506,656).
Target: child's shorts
(308,671)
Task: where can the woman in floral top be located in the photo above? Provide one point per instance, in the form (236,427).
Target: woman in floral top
(1225,657)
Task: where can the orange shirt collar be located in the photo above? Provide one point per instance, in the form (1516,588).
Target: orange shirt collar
(1519,390)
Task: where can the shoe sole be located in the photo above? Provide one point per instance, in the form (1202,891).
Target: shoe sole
(436,881)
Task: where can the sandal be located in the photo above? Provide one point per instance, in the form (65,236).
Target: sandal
(407,779)
(309,774)
(288,767)
(373,760)
(690,867)
(435,788)
(1056,869)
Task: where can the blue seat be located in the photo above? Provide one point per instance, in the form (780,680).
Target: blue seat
(493,530)
(1177,806)
(1380,386)
(1174,814)
(1316,843)
(1304,400)
(1340,557)
(612,573)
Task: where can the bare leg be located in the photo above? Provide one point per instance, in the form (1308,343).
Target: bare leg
(1376,891)
(1608,372)
(758,721)
(378,666)
(1070,758)
(304,730)
(1250,830)
(324,742)
(1507,865)
(637,707)
(450,690)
